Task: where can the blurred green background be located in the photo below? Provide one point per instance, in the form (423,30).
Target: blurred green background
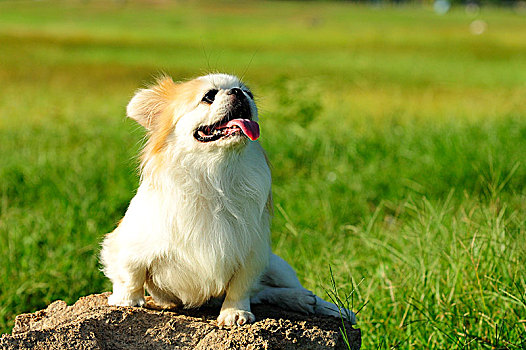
(397,138)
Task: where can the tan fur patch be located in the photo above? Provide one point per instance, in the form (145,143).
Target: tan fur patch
(167,99)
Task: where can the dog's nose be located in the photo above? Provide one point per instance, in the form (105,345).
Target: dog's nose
(236,91)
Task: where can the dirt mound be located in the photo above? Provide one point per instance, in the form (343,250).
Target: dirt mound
(91,324)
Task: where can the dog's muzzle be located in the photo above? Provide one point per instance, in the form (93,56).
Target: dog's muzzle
(237,122)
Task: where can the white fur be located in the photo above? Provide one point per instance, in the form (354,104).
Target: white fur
(198,227)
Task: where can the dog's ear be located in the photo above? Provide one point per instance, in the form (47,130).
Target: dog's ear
(148,104)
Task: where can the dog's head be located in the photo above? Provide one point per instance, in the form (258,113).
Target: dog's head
(211,113)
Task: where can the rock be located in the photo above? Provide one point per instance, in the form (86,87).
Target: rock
(91,324)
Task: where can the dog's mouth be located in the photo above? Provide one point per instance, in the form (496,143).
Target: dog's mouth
(227,127)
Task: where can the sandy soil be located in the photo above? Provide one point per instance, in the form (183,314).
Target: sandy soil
(91,324)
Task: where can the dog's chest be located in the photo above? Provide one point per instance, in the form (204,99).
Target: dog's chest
(223,223)
(210,230)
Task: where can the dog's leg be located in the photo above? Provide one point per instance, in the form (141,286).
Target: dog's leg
(283,288)
(161,297)
(279,273)
(294,299)
(128,286)
(236,306)
(127,275)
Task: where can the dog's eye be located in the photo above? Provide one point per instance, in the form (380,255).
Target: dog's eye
(249,94)
(209,96)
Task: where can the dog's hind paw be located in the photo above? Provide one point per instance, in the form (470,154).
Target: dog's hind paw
(301,300)
(329,309)
(294,299)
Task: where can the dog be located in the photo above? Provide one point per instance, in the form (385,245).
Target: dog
(198,228)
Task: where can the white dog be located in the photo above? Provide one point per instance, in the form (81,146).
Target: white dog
(198,227)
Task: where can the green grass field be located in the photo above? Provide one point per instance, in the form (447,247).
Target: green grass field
(397,138)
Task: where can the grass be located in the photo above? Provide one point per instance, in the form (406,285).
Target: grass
(398,143)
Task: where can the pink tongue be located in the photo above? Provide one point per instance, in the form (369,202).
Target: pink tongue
(249,127)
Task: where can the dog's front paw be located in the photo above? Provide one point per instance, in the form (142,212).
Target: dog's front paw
(232,317)
(117,300)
